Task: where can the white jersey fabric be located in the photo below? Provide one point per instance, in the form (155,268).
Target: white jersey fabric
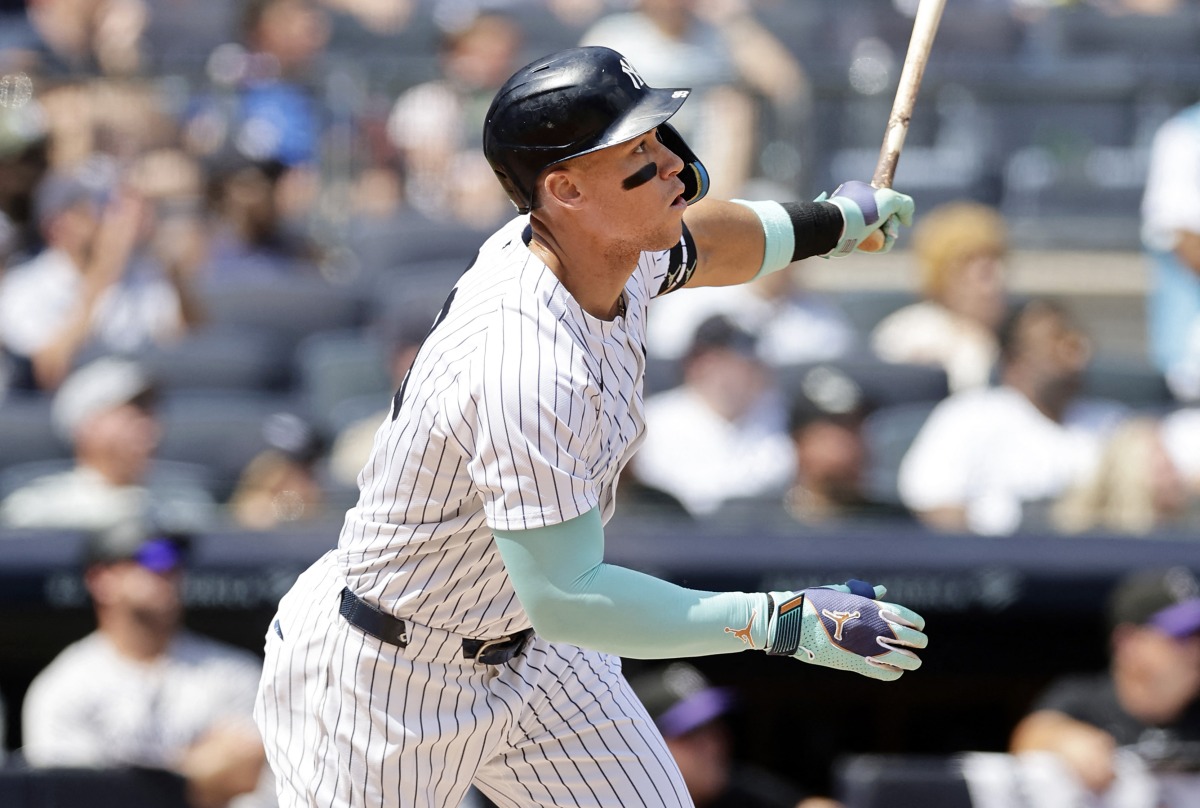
(519,411)
(93,707)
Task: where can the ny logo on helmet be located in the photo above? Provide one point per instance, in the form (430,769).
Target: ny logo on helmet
(638,81)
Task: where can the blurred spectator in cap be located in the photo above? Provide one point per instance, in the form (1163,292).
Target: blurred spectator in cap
(961,248)
(690,713)
(825,424)
(141,690)
(403,334)
(280,484)
(1137,486)
(988,460)
(1147,700)
(105,411)
(722,433)
(78,292)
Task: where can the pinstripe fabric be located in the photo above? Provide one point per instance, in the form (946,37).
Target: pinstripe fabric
(519,411)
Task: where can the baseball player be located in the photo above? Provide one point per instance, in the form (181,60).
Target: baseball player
(466,629)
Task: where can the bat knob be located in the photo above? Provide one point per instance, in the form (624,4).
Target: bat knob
(873,242)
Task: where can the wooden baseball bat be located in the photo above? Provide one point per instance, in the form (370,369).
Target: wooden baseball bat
(929,15)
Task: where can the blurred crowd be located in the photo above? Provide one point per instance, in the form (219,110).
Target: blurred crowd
(221,248)
(225,228)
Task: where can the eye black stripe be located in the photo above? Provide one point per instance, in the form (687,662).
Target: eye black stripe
(640,177)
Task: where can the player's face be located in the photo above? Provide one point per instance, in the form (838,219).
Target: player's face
(636,188)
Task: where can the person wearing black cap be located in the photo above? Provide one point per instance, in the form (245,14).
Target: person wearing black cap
(725,424)
(826,428)
(690,713)
(1149,698)
(143,691)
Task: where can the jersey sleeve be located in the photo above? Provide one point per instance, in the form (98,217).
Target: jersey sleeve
(530,425)
(673,268)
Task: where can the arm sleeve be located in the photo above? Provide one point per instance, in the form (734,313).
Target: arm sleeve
(571,595)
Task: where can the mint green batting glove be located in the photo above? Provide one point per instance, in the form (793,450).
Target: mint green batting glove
(847,627)
(866,209)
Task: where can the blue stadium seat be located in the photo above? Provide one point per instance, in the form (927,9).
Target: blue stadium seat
(336,366)
(219,430)
(26,431)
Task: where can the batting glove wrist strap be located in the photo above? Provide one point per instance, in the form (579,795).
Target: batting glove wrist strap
(784,623)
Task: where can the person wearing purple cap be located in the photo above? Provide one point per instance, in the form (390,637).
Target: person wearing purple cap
(1148,700)
(143,691)
(690,713)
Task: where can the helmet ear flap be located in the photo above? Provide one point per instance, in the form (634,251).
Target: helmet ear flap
(693,175)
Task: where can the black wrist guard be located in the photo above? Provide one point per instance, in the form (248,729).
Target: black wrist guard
(818,227)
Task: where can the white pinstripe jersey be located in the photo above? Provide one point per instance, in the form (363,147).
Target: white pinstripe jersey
(519,411)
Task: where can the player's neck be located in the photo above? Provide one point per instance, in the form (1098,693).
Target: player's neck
(594,275)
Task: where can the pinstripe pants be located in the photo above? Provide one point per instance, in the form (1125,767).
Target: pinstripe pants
(348,720)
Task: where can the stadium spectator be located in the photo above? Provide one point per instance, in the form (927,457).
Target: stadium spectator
(143,691)
(691,714)
(792,324)
(105,411)
(280,485)
(960,248)
(1136,488)
(1147,699)
(85,290)
(250,237)
(1171,237)
(825,424)
(987,459)
(437,125)
(71,38)
(722,433)
(728,59)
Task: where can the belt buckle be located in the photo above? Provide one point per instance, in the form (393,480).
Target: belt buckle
(486,646)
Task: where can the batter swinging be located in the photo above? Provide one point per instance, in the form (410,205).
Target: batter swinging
(466,629)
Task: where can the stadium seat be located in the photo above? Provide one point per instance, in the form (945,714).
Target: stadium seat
(221,431)
(26,431)
(1133,382)
(882,383)
(336,366)
(901,781)
(888,432)
(865,308)
(220,358)
(284,310)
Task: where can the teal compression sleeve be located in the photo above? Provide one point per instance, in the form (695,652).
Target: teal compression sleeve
(571,595)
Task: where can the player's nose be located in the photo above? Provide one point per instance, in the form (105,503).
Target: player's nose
(669,163)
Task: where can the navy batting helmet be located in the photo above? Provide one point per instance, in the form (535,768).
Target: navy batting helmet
(573,102)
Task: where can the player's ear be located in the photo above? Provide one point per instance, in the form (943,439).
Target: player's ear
(560,187)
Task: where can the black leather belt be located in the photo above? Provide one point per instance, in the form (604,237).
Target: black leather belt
(383,626)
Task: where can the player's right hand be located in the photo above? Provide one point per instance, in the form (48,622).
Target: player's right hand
(865,210)
(847,627)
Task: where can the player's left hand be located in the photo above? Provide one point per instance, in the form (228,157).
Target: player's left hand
(846,626)
(866,209)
